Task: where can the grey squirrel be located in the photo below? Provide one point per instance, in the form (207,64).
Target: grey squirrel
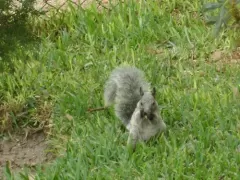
(134,103)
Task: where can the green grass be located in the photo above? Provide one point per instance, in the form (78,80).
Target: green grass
(71,64)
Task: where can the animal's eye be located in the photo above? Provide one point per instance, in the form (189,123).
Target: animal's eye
(141,103)
(153,103)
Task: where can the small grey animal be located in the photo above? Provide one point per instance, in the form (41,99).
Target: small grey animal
(134,103)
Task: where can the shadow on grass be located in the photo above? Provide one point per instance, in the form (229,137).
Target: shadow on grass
(14,31)
(12,38)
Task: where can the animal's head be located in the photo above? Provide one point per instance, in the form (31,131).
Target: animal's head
(148,104)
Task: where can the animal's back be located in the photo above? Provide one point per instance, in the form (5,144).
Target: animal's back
(124,84)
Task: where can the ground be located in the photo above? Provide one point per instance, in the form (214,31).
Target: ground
(20,151)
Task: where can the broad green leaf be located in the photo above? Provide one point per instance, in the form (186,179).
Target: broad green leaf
(211,6)
(211,19)
(220,20)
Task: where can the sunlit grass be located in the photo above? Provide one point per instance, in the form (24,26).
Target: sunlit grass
(171,44)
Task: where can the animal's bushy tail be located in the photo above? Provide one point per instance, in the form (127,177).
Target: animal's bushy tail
(110,92)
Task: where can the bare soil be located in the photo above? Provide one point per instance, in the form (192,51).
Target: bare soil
(20,151)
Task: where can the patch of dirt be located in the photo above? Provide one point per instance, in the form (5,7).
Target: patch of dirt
(22,150)
(231,58)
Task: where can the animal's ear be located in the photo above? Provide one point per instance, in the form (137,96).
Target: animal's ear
(141,91)
(154,92)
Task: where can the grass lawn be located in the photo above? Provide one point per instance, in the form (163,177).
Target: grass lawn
(64,75)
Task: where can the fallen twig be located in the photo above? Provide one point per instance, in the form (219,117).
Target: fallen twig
(96,109)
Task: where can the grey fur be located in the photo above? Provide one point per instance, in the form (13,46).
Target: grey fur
(123,89)
(134,103)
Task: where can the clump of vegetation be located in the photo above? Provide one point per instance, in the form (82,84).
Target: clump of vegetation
(15,12)
(228,14)
(14,28)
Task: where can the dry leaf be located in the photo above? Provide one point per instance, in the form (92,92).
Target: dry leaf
(235,92)
(236,55)
(104,1)
(238,127)
(31,177)
(69,117)
(155,50)
(238,148)
(217,55)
